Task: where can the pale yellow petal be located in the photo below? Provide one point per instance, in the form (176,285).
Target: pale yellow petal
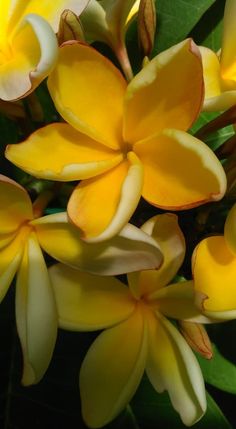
(15,205)
(30,58)
(112,370)
(88,92)
(157,99)
(36,315)
(86,302)
(130,250)
(113,205)
(172,366)
(71,155)
(180,171)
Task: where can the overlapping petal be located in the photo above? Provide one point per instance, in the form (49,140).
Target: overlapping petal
(31,55)
(130,250)
(50,11)
(98,83)
(172,161)
(71,155)
(148,110)
(36,315)
(165,230)
(15,206)
(86,302)
(120,200)
(214,268)
(230,229)
(119,13)
(228,51)
(217,95)
(172,366)
(112,370)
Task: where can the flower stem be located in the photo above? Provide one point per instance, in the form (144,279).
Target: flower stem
(226,118)
(122,55)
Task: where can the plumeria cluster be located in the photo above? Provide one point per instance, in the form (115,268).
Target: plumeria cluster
(121,137)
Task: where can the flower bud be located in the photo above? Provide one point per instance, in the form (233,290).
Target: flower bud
(70,27)
(146,25)
(197,338)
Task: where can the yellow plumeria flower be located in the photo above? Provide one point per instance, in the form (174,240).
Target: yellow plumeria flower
(28,45)
(220,70)
(139,336)
(107,21)
(214,272)
(119,141)
(21,238)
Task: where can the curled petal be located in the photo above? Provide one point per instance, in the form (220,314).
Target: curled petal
(214,271)
(112,370)
(180,171)
(217,96)
(71,155)
(86,302)
(15,206)
(154,100)
(130,250)
(50,11)
(119,14)
(94,22)
(172,366)
(33,55)
(99,84)
(114,205)
(36,315)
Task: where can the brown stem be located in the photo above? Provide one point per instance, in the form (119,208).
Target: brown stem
(226,118)
(122,55)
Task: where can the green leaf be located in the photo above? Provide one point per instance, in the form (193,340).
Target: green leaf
(176,19)
(154,410)
(219,371)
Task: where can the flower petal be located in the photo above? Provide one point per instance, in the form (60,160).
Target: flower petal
(154,100)
(10,257)
(36,315)
(15,206)
(94,22)
(172,366)
(228,51)
(130,250)
(117,14)
(112,370)
(70,154)
(86,302)
(33,55)
(51,11)
(180,171)
(177,301)
(84,78)
(113,205)
(230,229)
(215,96)
(214,271)
(166,232)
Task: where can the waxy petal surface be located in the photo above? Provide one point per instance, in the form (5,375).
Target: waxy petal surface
(86,302)
(130,250)
(50,11)
(31,58)
(154,100)
(88,92)
(15,206)
(180,171)
(214,271)
(113,205)
(71,155)
(228,51)
(36,315)
(217,95)
(172,366)
(165,230)
(112,370)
